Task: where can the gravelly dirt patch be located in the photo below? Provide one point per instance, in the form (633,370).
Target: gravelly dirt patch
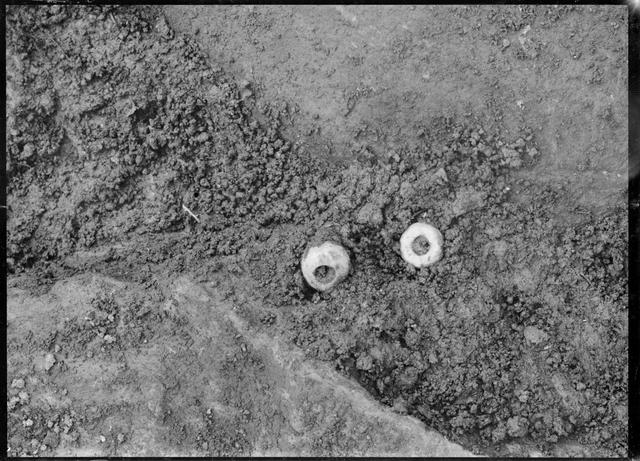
(516,341)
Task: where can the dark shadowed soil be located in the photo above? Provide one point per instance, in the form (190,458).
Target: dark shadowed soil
(167,169)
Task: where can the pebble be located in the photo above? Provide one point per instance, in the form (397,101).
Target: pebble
(17,383)
(364,362)
(505,43)
(49,361)
(516,427)
(407,378)
(441,174)
(534,335)
(28,150)
(52,439)
(13,402)
(400,406)
(467,199)
(370,214)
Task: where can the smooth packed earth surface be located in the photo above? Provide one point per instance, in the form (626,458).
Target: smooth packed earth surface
(168,166)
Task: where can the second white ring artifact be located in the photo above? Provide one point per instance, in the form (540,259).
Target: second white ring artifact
(432,236)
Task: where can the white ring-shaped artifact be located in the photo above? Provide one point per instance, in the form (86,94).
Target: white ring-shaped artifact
(324,266)
(433,237)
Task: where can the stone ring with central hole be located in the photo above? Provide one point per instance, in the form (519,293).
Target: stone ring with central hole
(328,255)
(433,236)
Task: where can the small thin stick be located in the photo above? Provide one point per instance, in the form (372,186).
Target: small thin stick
(189,211)
(583,277)
(60,47)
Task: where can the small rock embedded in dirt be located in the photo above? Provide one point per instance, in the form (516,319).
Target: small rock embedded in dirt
(441,174)
(535,335)
(499,433)
(51,439)
(67,423)
(408,377)
(467,199)
(245,93)
(364,362)
(511,157)
(163,28)
(13,402)
(109,339)
(370,214)
(400,406)
(17,383)
(519,144)
(49,361)
(28,151)
(517,426)
(505,43)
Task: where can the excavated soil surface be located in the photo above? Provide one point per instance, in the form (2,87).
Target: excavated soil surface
(146,183)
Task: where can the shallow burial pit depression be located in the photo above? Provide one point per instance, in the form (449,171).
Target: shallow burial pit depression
(514,343)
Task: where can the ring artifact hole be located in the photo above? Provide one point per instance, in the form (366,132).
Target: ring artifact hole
(324,274)
(420,245)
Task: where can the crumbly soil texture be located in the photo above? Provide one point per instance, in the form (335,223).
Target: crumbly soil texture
(133,155)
